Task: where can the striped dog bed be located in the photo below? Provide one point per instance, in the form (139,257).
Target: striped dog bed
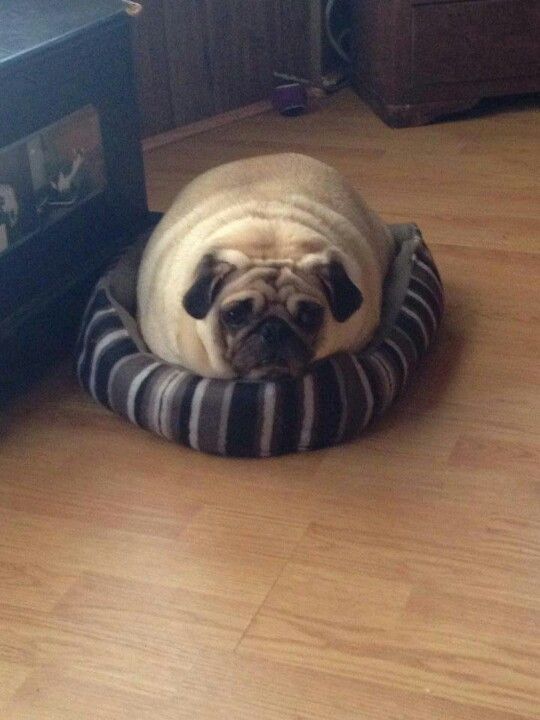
(331,403)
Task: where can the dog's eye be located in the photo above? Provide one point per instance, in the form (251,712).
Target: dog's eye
(238,313)
(309,316)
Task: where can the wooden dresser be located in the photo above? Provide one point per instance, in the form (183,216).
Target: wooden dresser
(416,60)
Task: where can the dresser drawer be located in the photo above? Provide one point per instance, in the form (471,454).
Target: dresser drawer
(478,40)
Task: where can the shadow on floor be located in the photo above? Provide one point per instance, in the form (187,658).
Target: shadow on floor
(495,106)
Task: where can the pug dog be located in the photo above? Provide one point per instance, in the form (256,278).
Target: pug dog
(261,267)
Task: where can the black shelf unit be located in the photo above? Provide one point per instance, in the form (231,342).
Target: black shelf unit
(56,59)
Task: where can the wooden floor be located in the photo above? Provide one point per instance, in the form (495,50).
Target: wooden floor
(395,578)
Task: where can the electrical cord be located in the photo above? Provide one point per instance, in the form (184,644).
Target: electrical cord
(337,43)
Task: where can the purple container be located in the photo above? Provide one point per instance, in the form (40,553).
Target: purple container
(290,99)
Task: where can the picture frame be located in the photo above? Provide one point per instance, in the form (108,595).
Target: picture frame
(48,174)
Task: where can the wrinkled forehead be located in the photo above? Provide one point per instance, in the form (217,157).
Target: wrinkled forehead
(274,281)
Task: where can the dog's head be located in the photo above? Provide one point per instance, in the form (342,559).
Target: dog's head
(267,319)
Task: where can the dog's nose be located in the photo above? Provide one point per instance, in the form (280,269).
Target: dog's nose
(274,331)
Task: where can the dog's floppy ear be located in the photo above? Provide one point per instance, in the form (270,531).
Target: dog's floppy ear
(210,276)
(342,294)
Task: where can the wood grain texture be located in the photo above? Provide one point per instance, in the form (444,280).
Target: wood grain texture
(395,577)
(299,53)
(220,54)
(416,61)
(471,41)
(152,69)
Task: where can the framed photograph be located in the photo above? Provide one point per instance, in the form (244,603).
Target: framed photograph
(48,174)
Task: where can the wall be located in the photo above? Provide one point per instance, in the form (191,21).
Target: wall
(198,58)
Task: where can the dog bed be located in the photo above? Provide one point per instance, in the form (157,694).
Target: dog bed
(331,403)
